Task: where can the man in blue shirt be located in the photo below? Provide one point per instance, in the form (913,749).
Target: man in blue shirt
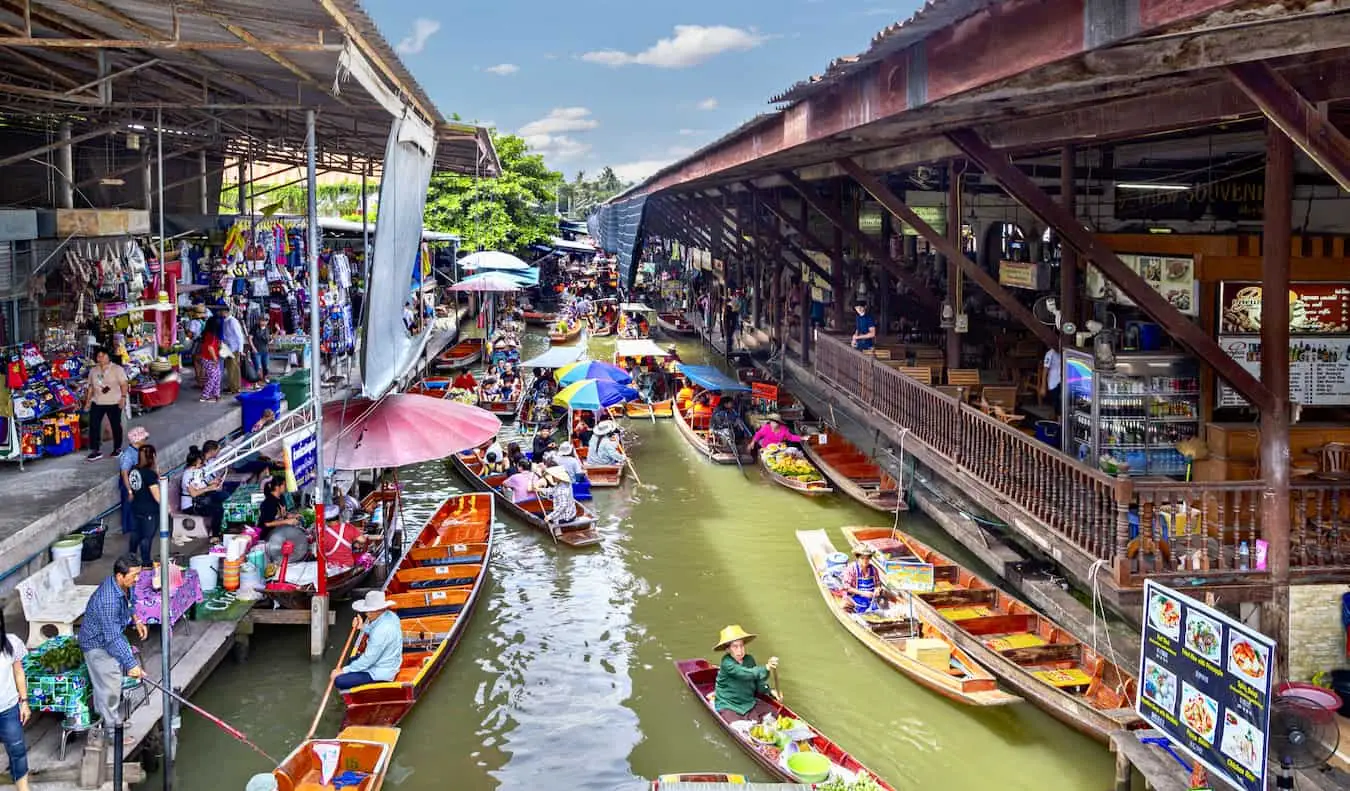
(865,328)
(126,461)
(103,639)
(384,644)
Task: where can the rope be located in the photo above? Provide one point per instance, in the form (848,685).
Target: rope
(1099,610)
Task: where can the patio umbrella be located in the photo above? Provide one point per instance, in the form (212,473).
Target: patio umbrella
(492,259)
(401,429)
(488,282)
(594,394)
(592,369)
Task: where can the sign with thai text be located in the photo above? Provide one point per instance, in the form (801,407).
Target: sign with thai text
(300,453)
(1314,308)
(1319,369)
(1204,681)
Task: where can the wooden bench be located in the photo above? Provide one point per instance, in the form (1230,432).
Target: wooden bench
(186,526)
(52,602)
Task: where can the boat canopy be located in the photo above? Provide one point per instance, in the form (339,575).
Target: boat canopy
(709,378)
(636,307)
(639,348)
(556,357)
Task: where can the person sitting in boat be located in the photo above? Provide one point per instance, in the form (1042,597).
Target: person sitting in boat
(515,458)
(724,419)
(543,443)
(273,513)
(672,354)
(464,381)
(581,427)
(604,450)
(543,385)
(520,485)
(862,585)
(773,432)
(555,484)
(343,544)
(740,681)
(347,504)
(383,655)
(566,457)
(685,393)
(494,460)
(491,390)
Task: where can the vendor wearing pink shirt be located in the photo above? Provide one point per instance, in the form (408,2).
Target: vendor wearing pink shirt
(773,432)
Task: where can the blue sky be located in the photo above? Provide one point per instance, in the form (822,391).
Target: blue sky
(633,85)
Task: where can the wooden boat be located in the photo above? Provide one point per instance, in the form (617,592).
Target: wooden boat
(461,355)
(361,750)
(574,329)
(539,318)
(504,410)
(852,472)
(579,532)
(434,386)
(768,397)
(601,476)
(381,503)
(675,324)
(1035,656)
(676,782)
(707,444)
(911,646)
(434,589)
(701,678)
(663,410)
(809,488)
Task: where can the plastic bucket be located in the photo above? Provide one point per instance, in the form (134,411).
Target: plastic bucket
(1047,431)
(208,570)
(68,551)
(253,405)
(231,575)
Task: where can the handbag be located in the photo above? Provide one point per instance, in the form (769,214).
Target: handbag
(248,370)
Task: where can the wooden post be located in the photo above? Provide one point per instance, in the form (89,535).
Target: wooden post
(843,300)
(806,323)
(955,297)
(1068,261)
(1275,376)
(1124,770)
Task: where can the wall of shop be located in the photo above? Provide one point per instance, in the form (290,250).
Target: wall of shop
(1315,623)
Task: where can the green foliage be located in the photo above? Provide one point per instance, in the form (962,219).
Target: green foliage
(334,200)
(577,197)
(506,213)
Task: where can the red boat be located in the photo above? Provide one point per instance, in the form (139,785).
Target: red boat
(701,678)
(539,318)
(461,355)
(434,588)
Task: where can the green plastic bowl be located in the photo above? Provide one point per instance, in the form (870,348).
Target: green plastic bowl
(809,767)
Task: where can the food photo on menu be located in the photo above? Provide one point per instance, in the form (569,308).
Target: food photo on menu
(1164,613)
(1203,636)
(1242,742)
(1246,660)
(1160,686)
(1200,712)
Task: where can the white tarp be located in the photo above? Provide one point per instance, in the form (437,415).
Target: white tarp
(639,348)
(556,357)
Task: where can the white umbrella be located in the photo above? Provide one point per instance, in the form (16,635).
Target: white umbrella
(492,259)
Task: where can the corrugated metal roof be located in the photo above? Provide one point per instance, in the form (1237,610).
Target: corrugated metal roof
(935,15)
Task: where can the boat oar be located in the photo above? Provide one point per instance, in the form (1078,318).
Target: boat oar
(776,686)
(218,722)
(323,704)
(629,461)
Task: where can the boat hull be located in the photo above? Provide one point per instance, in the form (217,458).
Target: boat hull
(662,410)
(341,585)
(460,356)
(572,334)
(364,749)
(806,488)
(700,444)
(580,532)
(868,483)
(672,324)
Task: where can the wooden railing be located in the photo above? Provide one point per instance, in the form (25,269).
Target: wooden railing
(1138,527)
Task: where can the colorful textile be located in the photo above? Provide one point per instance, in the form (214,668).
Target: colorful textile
(180,600)
(66,693)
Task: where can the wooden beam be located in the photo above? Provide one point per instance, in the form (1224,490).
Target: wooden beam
(775,207)
(271,54)
(1068,259)
(872,246)
(1280,102)
(983,279)
(1183,330)
(684,221)
(699,208)
(163,43)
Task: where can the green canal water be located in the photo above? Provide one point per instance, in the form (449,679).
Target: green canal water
(565,677)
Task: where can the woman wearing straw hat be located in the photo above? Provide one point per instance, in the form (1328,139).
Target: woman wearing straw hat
(555,484)
(604,450)
(740,682)
(862,588)
(384,644)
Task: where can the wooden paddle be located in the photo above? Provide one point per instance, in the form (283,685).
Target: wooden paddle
(776,687)
(323,704)
(629,461)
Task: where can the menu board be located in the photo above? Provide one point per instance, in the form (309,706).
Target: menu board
(1171,276)
(1314,308)
(1319,369)
(1205,683)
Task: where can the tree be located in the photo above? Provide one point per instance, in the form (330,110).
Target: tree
(576,198)
(509,212)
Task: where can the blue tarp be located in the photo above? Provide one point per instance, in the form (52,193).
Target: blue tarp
(709,378)
(556,357)
(616,227)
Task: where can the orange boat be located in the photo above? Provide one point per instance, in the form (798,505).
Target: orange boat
(579,532)
(852,472)
(461,355)
(363,756)
(1032,654)
(434,589)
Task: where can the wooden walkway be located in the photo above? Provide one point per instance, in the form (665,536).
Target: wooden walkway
(1161,772)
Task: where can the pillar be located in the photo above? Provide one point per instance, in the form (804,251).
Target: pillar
(1275,375)
(65,164)
(954,295)
(201,171)
(1068,261)
(240,203)
(838,278)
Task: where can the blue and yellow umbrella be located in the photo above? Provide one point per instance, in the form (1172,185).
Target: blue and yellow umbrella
(592,369)
(594,394)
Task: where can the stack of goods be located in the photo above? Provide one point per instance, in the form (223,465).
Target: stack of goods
(44,400)
(788,462)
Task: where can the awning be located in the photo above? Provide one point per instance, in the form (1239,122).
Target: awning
(709,378)
(339,225)
(639,348)
(559,243)
(636,307)
(556,357)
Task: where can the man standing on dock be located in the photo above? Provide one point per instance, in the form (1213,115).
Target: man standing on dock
(103,639)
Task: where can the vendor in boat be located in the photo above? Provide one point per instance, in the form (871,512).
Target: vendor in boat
(343,543)
(566,457)
(604,450)
(383,655)
(273,513)
(464,381)
(740,681)
(773,432)
(555,485)
(863,590)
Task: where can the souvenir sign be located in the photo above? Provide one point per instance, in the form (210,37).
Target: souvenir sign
(1205,682)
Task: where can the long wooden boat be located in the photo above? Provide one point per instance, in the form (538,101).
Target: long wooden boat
(852,472)
(680,781)
(662,410)
(362,750)
(504,410)
(910,645)
(383,507)
(461,355)
(705,443)
(675,324)
(579,532)
(601,476)
(539,318)
(434,589)
(1030,653)
(434,386)
(701,678)
(810,488)
(574,329)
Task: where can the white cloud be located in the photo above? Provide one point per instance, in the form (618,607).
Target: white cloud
(640,170)
(557,148)
(550,135)
(502,69)
(679,151)
(707,104)
(423,29)
(690,132)
(690,46)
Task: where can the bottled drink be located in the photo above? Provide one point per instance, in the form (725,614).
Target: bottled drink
(1244,557)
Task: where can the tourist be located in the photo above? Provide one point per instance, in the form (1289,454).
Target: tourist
(864,328)
(555,485)
(464,381)
(136,437)
(102,638)
(515,458)
(604,450)
(202,496)
(14,711)
(143,481)
(740,682)
(773,432)
(861,583)
(260,341)
(494,460)
(384,644)
(233,342)
(520,485)
(543,443)
(106,398)
(273,513)
(209,352)
(566,457)
(581,427)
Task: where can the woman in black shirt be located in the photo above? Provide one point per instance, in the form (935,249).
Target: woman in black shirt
(143,483)
(273,513)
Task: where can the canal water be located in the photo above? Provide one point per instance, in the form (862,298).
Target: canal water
(565,677)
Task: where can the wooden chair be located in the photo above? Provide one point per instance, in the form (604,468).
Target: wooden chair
(1000,395)
(967,379)
(923,375)
(959,393)
(1336,457)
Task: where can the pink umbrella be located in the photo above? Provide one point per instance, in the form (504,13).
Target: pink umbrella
(400,429)
(491,281)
